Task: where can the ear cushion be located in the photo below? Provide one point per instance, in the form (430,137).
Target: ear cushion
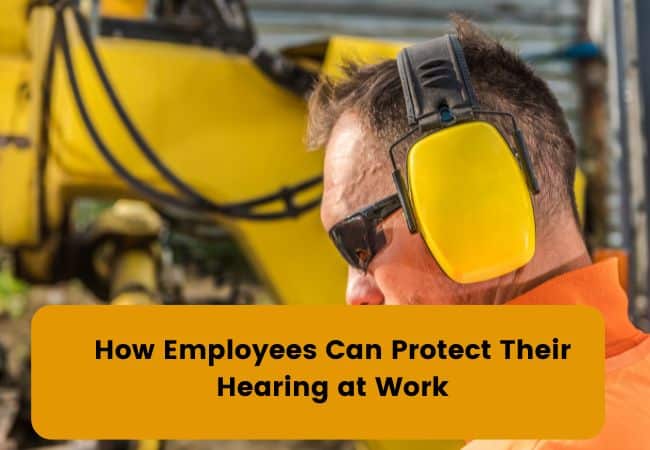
(471,202)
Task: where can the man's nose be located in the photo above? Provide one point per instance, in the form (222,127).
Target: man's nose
(362,289)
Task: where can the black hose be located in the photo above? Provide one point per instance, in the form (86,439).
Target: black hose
(195,200)
(140,141)
(138,185)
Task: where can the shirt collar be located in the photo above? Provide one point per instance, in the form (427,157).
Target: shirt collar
(598,286)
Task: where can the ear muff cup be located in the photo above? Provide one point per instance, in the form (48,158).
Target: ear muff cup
(471,202)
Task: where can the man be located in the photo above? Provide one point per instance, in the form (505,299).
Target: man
(358,118)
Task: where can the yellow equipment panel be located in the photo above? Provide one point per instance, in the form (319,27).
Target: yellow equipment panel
(13,26)
(18,162)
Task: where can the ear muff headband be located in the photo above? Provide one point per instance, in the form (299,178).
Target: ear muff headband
(467,192)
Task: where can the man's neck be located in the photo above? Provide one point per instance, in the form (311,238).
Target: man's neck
(555,255)
(521,285)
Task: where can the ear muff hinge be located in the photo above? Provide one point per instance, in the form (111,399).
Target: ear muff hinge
(526,161)
(402,193)
(447,117)
(522,153)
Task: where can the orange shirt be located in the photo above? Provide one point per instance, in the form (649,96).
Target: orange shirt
(627,378)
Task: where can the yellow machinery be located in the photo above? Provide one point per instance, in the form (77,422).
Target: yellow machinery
(212,117)
(224,128)
(213,135)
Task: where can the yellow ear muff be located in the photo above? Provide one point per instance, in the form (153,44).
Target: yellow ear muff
(471,202)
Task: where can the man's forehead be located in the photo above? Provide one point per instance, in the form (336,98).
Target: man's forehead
(356,173)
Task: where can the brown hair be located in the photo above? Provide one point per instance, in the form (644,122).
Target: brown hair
(502,81)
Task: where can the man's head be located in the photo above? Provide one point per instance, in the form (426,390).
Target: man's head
(359,117)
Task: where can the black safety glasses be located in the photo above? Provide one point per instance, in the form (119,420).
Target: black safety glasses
(357,238)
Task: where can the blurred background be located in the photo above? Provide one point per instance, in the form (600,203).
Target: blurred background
(151,151)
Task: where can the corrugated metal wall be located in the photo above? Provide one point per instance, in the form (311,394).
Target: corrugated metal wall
(531,26)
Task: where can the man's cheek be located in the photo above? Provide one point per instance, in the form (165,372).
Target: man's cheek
(397,269)
(409,275)
(388,283)
(399,283)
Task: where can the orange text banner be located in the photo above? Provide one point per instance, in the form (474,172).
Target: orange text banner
(317,372)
